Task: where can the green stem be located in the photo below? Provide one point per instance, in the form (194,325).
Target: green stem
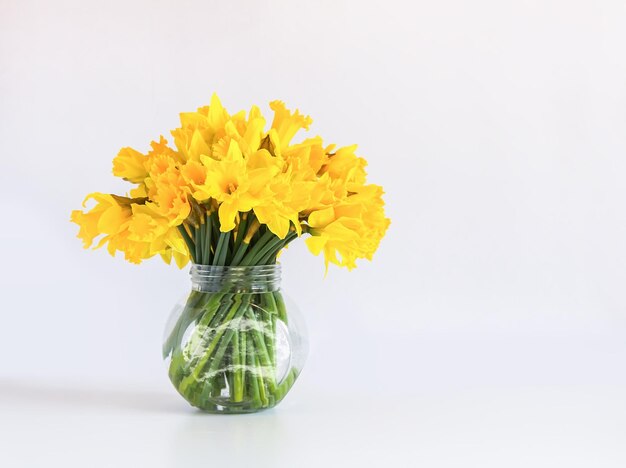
(213,311)
(204,309)
(267,237)
(260,380)
(241,250)
(285,385)
(280,306)
(262,355)
(231,326)
(216,228)
(262,253)
(270,313)
(258,234)
(268,335)
(221,250)
(237,369)
(242,358)
(188,315)
(207,240)
(188,242)
(226,329)
(253,376)
(270,256)
(241,230)
(198,237)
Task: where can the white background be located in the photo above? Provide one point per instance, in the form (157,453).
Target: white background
(490,330)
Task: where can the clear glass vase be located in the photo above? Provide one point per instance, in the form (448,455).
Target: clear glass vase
(234,345)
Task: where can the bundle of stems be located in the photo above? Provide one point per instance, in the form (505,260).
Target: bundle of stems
(249,244)
(222,349)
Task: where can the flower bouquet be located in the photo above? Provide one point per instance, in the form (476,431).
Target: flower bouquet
(229,196)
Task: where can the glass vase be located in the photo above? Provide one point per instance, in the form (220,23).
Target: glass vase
(234,345)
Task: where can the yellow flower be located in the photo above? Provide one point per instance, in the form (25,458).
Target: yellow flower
(162,149)
(280,208)
(132,228)
(194,173)
(164,185)
(106,217)
(129,165)
(230,164)
(171,200)
(236,183)
(306,158)
(252,134)
(277,217)
(345,165)
(111,219)
(350,230)
(325,192)
(200,130)
(146,226)
(295,190)
(287,124)
(224,178)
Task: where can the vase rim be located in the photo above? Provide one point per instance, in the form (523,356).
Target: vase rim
(238,278)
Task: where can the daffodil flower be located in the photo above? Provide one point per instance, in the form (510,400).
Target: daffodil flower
(229,190)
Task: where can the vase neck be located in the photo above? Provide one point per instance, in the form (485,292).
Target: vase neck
(235,279)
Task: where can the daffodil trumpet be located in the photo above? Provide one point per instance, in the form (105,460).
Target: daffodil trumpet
(228,197)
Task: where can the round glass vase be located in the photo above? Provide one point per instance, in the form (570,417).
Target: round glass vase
(234,345)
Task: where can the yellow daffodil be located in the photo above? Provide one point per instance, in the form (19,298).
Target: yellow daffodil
(106,217)
(286,123)
(345,165)
(169,192)
(236,183)
(129,165)
(200,130)
(352,229)
(306,158)
(258,181)
(280,209)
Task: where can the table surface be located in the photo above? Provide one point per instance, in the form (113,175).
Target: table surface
(48,424)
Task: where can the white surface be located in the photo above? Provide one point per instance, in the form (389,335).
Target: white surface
(489,331)
(520,427)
